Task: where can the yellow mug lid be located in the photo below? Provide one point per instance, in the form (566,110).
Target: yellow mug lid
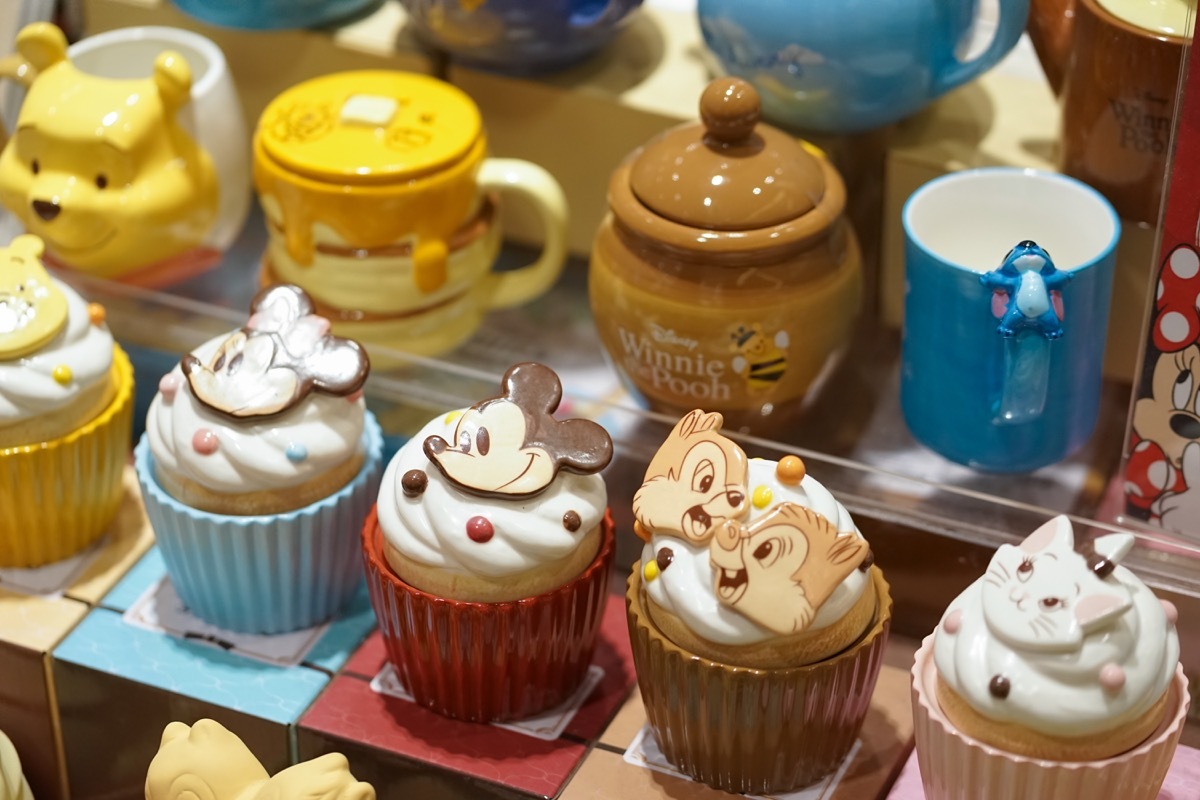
(373,126)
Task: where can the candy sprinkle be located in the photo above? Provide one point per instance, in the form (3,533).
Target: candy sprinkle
(790,470)
(480,529)
(204,442)
(762,496)
(62,374)
(96,313)
(169,385)
(650,571)
(296,452)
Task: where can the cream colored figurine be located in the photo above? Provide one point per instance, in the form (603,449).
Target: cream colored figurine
(206,760)
(13,785)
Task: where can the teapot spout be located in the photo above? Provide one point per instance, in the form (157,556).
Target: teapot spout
(1051,27)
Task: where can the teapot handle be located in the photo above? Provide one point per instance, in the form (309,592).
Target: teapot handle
(15,67)
(1009,27)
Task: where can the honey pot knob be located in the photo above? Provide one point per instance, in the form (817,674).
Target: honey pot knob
(729,109)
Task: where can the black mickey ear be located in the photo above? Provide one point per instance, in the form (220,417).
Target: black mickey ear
(533,386)
(588,447)
(340,367)
(283,302)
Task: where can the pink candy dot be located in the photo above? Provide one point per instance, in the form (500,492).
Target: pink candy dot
(480,529)
(169,385)
(204,442)
(1170,610)
(952,622)
(1112,677)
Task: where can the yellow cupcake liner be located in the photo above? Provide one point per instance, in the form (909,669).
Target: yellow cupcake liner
(58,497)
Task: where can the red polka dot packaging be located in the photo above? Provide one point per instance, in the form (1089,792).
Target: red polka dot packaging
(66,406)
(258,466)
(488,553)
(757,616)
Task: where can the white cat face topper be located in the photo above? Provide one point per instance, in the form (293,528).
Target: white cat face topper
(1043,595)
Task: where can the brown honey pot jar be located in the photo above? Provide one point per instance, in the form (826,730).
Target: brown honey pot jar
(725,274)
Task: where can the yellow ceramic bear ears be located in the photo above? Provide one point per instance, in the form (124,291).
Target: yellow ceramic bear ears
(32,308)
(206,760)
(100,167)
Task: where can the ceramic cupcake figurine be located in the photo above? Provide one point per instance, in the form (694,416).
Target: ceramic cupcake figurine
(66,392)
(492,535)
(259,465)
(755,604)
(1055,675)
(13,785)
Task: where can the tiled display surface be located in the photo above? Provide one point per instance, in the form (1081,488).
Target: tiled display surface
(30,626)
(113,676)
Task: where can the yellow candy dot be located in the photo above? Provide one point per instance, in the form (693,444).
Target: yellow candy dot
(762,496)
(62,374)
(790,470)
(451,416)
(96,313)
(650,571)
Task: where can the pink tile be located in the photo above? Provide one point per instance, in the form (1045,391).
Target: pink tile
(369,658)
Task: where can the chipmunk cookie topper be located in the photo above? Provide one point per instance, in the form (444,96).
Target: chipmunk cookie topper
(780,569)
(284,352)
(512,446)
(695,481)
(32,309)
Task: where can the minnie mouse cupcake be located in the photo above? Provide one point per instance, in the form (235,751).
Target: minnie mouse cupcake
(1055,675)
(489,551)
(755,606)
(259,465)
(66,407)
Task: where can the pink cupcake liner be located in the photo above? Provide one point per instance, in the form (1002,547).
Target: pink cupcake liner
(489,661)
(955,766)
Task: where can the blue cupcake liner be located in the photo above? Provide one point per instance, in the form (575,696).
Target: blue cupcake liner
(266,574)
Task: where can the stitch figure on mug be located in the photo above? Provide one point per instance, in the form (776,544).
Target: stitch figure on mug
(1026,296)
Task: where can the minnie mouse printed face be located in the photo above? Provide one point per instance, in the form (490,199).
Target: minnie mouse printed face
(284,352)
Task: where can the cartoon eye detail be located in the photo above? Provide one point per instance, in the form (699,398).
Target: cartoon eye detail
(1025,570)
(35,167)
(483,441)
(101,181)
(464,441)
(234,363)
(703,477)
(1051,604)
(1182,392)
(767,552)
(220,362)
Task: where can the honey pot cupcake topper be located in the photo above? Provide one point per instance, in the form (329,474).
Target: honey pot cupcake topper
(512,445)
(283,353)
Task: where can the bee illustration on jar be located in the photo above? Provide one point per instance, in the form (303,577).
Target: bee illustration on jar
(761,361)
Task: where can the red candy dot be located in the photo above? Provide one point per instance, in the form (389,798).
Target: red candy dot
(480,529)
(204,442)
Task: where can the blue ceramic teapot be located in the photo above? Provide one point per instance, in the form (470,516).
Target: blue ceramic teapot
(849,65)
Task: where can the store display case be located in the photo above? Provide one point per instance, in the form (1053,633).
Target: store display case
(932,524)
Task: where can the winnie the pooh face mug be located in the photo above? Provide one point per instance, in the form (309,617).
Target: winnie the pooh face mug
(130,157)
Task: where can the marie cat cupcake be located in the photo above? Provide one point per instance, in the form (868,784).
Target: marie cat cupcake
(66,408)
(489,552)
(755,605)
(1055,675)
(258,466)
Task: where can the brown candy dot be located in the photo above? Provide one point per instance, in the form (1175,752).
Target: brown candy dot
(664,558)
(999,687)
(867,562)
(413,482)
(571,521)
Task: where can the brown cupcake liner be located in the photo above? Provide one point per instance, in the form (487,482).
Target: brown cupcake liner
(955,766)
(487,662)
(58,497)
(755,731)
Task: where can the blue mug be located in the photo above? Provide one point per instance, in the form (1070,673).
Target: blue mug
(840,66)
(264,15)
(518,36)
(1008,279)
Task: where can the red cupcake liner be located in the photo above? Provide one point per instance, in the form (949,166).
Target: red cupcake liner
(755,731)
(485,662)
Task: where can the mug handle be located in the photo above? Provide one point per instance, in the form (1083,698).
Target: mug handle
(16,68)
(511,175)
(1009,27)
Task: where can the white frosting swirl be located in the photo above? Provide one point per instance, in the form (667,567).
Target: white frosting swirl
(251,454)
(1056,687)
(27,385)
(528,532)
(685,588)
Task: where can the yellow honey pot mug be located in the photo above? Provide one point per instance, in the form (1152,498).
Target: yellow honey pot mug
(382,204)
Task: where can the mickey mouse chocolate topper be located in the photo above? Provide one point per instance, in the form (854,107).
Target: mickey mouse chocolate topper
(284,352)
(512,446)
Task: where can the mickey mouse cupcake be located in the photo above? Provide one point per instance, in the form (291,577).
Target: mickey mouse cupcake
(755,605)
(259,465)
(66,407)
(489,551)
(1055,675)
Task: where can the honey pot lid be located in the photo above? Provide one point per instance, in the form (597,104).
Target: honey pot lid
(730,172)
(374,126)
